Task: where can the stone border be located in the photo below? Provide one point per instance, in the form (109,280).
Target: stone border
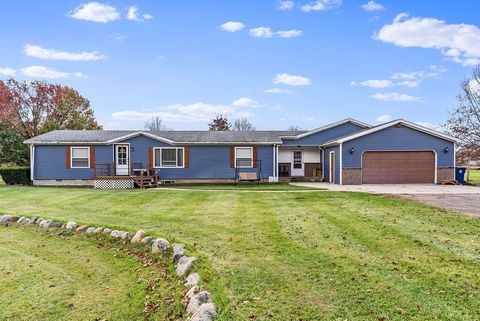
(199,302)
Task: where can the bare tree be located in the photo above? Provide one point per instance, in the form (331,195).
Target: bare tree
(219,123)
(464,121)
(296,128)
(242,125)
(155,124)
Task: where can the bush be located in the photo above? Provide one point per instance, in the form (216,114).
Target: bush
(15,175)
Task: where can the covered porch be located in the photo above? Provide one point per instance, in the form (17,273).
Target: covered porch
(296,163)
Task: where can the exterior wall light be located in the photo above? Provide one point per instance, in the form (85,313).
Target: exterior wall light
(352,150)
(445,150)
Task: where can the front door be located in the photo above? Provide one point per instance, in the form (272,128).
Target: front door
(122,159)
(297,164)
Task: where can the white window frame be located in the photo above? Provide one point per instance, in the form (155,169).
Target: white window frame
(71,156)
(251,154)
(176,156)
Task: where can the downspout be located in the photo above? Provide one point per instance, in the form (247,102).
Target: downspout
(32,161)
(341,163)
(322,150)
(274,158)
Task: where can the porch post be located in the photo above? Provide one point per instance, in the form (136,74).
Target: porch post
(276,161)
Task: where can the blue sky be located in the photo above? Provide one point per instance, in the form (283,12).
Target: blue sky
(279,63)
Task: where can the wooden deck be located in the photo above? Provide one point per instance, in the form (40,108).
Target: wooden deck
(142,176)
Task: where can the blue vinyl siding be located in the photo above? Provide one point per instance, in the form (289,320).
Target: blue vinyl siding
(326,160)
(206,161)
(51,162)
(325,136)
(401,139)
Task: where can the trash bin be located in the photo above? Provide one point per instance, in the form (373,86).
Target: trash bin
(460,174)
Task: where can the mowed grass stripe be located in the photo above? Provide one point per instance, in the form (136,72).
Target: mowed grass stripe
(292,256)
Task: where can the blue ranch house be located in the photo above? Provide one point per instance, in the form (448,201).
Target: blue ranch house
(344,152)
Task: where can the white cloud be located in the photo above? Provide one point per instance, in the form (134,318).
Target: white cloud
(409,83)
(7,71)
(383,118)
(42,53)
(373,83)
(245,102)
(456,42)
(261,32)
(321,5)
(286,5)
(161,57)
(372,6)
(95,11)
(134,15)
(232,26)
(289,33)
(266,32)
(278,91)
(196,112)
(291,80)
(49,73)
(394,96)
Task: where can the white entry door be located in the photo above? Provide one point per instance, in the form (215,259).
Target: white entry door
(122,159)
(297,163)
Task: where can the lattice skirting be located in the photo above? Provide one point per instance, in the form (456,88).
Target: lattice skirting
(113,184)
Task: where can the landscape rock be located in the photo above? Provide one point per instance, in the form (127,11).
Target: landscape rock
(14,218)
(32,221)
(190,293)
(82,228)
(178,251)
(63,226)
(5,218)
(46,224)
(55,224)
(160,245)
(39,220)
(20,220)
(137,238)
(206,312)
(90,230)
(26,221)
(98,230)
(148,240)
(126,235)
(107,230)
(185,264)
(71,226)
(116,234)
(192,279)
(197,300)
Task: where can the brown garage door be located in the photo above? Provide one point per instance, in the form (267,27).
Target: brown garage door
(398,167)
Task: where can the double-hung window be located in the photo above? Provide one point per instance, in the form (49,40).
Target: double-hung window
(244,157)
(80,157)
(169,157)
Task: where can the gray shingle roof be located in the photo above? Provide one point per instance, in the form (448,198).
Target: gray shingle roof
(199,137)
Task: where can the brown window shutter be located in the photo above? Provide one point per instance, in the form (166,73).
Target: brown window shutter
(67,157)
(186,161)
(92,157)
(150,157)
(232,156)
(254,156)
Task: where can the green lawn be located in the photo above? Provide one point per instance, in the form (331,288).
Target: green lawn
(298,256)
(44,276)
(243,187)
(474,177)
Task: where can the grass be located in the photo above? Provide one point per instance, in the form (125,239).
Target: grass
(474,177)
(51,277)
(299,256)
(244,187)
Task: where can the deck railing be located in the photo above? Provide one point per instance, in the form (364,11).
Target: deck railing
(136,170)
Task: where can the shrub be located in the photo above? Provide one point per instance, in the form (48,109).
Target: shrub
(15,175)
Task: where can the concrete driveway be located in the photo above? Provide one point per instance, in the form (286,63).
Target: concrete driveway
(465,199)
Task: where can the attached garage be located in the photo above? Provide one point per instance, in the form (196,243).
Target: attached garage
(398,167)
(397,152)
